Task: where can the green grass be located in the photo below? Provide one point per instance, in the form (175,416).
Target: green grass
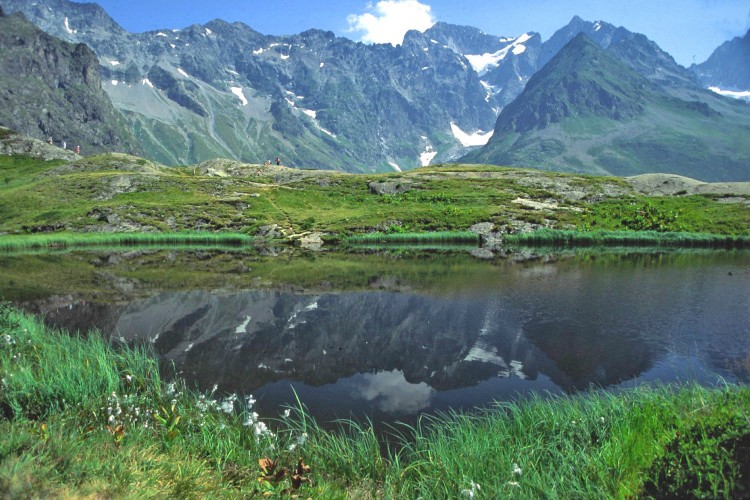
(698,214)
(569,238)
(78,240)
(107,192)
(437,237)
(81,417)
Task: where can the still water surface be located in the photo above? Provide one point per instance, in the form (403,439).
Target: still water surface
(395,343)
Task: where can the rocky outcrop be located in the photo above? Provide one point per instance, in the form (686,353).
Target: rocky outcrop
(12,143)
(51,89)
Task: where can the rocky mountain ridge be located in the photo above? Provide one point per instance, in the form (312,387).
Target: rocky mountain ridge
(609,112)
(320,101)
(51,89)
(727,70)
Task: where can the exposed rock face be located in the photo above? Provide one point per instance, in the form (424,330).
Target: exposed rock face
(728,68)
(51,89)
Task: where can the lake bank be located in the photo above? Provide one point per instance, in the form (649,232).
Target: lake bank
(109,407)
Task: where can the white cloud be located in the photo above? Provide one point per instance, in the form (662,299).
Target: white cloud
(389,20)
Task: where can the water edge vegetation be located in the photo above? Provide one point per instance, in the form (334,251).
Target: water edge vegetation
(135,239)
(81,416)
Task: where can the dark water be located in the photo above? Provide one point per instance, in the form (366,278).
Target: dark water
(394,349)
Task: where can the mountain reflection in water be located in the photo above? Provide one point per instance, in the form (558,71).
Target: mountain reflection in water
(390,354)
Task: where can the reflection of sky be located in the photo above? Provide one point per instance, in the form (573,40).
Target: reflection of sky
(392,393)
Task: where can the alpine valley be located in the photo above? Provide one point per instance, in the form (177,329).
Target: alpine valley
(594,98)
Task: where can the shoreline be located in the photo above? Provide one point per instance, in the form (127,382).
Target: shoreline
(69,396)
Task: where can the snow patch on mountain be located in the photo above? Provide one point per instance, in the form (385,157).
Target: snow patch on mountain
(742,94)
(489,89)
(114,63)
(240,94)
(183,72)
(67,27)
(147,82)
(394,166)
(478,138)
(427,155)
(484,62)
(309,112)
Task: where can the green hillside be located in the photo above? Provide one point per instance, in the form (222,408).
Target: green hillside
(121,193)
(588,111)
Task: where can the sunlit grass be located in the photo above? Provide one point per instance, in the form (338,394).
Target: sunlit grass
(152,239)
(556,237)
(437,237)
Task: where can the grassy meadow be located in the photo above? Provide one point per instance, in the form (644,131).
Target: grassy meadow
(118,193)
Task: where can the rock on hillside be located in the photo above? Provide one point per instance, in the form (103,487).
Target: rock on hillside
(12,144)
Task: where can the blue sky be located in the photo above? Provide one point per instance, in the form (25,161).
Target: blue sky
(687,29)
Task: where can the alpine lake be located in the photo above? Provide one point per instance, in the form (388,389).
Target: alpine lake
(391,335)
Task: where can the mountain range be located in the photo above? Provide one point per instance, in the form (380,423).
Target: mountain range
(592,110)
(320,101)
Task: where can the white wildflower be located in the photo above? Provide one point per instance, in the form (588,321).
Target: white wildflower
(471,491)
(260,429)
(287,412)
(516,469)
(251,419)
(300,441)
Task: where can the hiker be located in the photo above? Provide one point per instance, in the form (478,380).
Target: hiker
(78,150)
(65,145)
(278,161)
(49,140)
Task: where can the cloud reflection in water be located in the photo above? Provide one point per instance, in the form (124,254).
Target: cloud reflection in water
(393,393)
